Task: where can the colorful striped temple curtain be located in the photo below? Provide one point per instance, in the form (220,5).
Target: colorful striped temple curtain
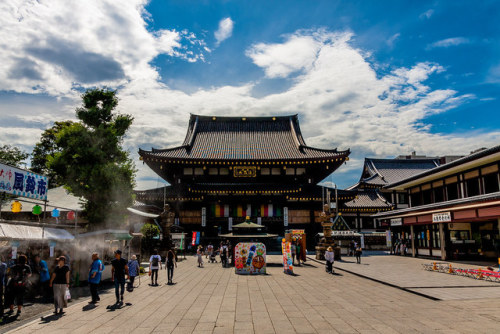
(243,210)
(270,210)
(219,210)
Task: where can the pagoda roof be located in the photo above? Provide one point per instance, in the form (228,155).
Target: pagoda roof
(244,138)
(381,172)
(368,199)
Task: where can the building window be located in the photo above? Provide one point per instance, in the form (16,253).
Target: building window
(188,171)
(213,171)
(265,171)
(275,171)
(452,191)
(224,171)
(290,171)
(301,171)
(472,187)
(402,198)
(436,240)
(438,194)
(491,183)
(198,171)
(416,198)
(426,196)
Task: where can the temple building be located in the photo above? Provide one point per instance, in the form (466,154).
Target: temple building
(228,168)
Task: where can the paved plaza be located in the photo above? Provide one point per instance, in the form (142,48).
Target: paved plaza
(215,300)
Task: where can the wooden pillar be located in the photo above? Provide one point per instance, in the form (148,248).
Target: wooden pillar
(442,241)
(413,252)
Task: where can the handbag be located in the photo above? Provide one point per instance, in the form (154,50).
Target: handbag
(67,295)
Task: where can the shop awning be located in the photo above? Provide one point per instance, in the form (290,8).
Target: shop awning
(26,232)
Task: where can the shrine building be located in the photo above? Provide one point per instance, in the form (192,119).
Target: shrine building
(228,168)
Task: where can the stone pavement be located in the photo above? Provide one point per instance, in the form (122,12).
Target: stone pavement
(408,273)
(215,300)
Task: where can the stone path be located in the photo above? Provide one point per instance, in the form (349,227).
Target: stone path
(408,273)
(215,300)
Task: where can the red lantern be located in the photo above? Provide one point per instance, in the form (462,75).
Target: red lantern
(70,215)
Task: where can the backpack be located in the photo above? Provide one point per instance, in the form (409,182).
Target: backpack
(154,263)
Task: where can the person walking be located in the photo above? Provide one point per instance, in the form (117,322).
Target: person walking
(199,253)
(16,286)
(43,271)
(3,273)
(119,271)
(154,265)
(223,254)
(329,257)
(95,273)
(60,283)
(171,262)
(133,272)
(358,253)
(294,252)
(298,249)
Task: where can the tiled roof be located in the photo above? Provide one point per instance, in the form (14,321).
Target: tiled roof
(386,171)
(368,199)
(244,138)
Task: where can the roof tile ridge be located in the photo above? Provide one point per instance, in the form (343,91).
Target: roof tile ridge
(294,133)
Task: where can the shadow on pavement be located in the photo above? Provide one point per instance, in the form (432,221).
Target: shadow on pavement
(119,306)
(89,307)
(50,318)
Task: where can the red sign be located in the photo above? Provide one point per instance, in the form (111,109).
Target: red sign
(193,240)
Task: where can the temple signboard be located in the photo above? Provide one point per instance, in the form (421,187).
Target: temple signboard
(23,183)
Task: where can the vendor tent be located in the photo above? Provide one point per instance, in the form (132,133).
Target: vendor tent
(27,232)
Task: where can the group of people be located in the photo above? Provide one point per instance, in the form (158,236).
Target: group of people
(296,249)
(400,247)
(355,250)
(211,252)
(155,264)
(15,280)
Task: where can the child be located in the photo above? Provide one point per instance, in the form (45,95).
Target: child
(329,257)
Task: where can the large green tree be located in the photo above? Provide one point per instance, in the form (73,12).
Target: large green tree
(12,155)
(90,160)
(46,147)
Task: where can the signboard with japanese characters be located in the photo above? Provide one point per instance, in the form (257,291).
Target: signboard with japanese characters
(23,183)
(442,217)
(396,221)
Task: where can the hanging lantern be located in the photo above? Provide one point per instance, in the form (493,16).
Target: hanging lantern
(70,215)
(55,213)
(16,206)
(37,209)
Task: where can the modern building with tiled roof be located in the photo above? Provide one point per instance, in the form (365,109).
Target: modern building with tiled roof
(231,167)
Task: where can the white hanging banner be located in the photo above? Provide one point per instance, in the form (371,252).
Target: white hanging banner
(259,220)
(203,216)
(285,216)
(23,183)
(230,223)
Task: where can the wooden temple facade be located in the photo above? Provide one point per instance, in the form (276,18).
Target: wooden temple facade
(228,168)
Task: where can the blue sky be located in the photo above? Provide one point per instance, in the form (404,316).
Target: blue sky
(380,77)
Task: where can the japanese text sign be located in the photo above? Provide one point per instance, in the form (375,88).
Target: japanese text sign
(23,183)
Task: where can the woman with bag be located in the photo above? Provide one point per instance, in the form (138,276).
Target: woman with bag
(60,283)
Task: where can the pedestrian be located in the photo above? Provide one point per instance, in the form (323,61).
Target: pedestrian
(43,271)
(3,273)
(171,262)
(60,283)
(299,254)
(154,265)
(133,272)
(294,252)
(119,271)
(329,257)
(351,248)
(95,273)
(358,253)
(199,253)
(210,249)
(16,286)
(223,254)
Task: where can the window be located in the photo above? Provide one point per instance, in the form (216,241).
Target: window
(439,194)
(188,171)
(491,183)
(452,191)
(224,171)
(416,199)
(472,187)
(426,196)
(436,241)
(301,171)
(198,171)
(276,171)
(265,171)
(213,171)
(402,198)
(290,171)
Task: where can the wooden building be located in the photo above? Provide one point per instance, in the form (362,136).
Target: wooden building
(228,168)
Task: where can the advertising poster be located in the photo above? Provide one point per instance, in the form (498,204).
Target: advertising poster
(250,258)
(287,257)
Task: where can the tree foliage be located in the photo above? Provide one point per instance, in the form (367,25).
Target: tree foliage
(47,147)
(150,231)
(90,161)
(12,155)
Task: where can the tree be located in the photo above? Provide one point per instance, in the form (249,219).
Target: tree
(149,233)
(47,147)
(12,155)
(90,160)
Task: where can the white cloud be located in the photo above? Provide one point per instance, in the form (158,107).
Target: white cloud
(392,39)
(427,14)
(446,43)
(342,102)
(225,30)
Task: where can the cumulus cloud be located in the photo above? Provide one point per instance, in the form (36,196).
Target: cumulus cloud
(446,43)
(225,30)
(340,98)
